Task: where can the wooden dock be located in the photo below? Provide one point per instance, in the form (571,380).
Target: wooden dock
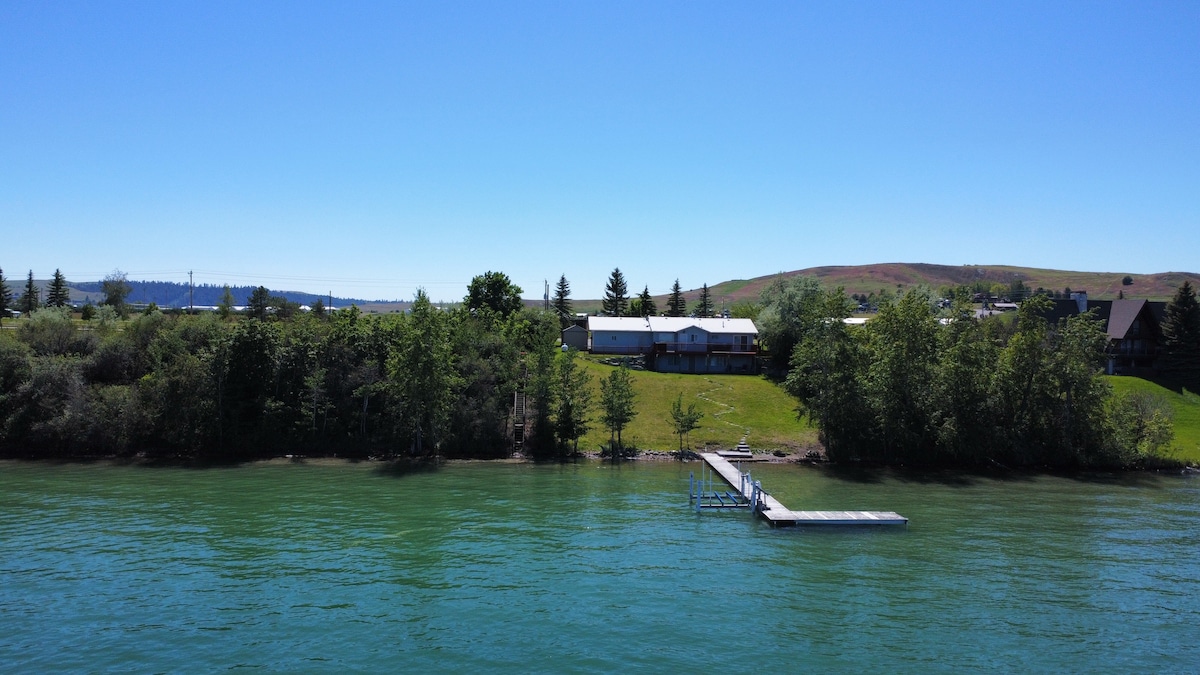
(777,514)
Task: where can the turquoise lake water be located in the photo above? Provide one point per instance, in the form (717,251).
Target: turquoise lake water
(337,567)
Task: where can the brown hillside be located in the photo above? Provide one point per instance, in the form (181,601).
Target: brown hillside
(893,276)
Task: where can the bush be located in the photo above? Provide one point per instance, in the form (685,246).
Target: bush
(1140,426)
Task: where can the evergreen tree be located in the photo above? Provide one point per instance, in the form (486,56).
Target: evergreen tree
(318,308)
(59,295)
(6,297)
(32,298)
(704,306)
(646,306)
(616,298)
(562,302)
(676,305)
(1181,338)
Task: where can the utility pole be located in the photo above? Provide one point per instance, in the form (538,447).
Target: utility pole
(331,301)
(191,295)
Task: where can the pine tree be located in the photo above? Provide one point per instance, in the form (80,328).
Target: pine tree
(1181,338)
(676,305)
(562,302)
(32,298)
(616,298)
(6,297)
(646,303)
(59,295)
(704,306)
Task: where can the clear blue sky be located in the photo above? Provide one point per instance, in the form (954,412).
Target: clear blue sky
(370,148)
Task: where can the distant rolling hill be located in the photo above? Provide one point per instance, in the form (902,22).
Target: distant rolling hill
(899,276)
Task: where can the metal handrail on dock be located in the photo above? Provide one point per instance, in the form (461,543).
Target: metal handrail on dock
(764,505)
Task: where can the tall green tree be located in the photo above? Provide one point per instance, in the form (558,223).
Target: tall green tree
(562,302)
(645,303)
(1181,338)
(258,303)
(571,419)
(6,298)
(616,405)
(31,299)
(494,292)
(827,377)
(704,306)
(422,372)
(684,420)
(59,295)
(616,295)
(116,290)
(791,308)
(225,307)
(676,305)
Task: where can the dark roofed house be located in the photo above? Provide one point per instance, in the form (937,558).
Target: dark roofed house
(1133,328)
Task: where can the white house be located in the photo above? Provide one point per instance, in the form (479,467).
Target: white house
(680,344)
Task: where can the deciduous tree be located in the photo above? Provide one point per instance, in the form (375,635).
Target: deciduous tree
(258,303)
(685,421)
(116,289)
(616,403)
(494,292)
(571,419)
(422,372)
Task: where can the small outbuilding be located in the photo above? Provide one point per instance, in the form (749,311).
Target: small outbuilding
(575,336)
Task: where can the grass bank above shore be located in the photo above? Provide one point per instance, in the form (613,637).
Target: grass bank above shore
(1186,409)
(733,405)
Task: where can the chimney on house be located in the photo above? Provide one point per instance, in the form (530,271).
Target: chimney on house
(1080,298)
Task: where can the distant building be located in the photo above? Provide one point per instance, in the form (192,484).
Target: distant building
(680,344)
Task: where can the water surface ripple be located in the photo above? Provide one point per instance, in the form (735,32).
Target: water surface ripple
(587,567)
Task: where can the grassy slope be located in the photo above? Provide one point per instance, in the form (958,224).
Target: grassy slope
(1187,414)
(899,276)
(732,405)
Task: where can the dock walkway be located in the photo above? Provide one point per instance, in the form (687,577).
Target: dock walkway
(777,514)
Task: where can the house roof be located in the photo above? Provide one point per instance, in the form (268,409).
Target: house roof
(1124,313)
(673,324)
(618,323)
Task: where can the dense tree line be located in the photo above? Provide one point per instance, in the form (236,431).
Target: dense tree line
(918,385)
(423,383)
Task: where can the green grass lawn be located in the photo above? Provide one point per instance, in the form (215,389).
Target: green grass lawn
(733,406)
(1187,414)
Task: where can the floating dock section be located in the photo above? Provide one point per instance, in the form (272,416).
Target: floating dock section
(747,492)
